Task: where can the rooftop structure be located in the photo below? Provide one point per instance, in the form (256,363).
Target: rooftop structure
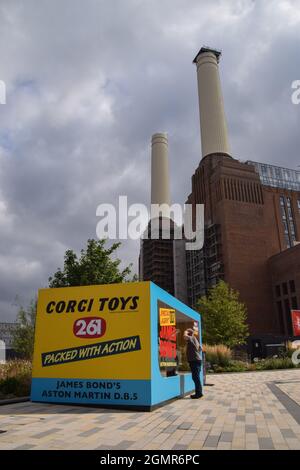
(276,176)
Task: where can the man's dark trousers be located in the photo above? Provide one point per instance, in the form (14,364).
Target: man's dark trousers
(195,369)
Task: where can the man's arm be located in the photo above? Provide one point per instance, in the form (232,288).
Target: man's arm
(186,336)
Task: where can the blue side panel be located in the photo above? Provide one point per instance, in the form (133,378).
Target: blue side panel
(92,391)
(166,388)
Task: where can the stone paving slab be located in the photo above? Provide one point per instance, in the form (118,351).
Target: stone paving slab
(240,411)
(292,389)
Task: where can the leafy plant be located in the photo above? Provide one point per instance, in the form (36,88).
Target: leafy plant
(15,379)
(23,334)
(218,354)
(93,266)
(223,316)
(233,366)
(274,363)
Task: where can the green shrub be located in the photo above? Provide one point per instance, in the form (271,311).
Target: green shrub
(218,355)
(14,368)
(15,379)
(274,363)
(15,386)
(233,366)
(241,366)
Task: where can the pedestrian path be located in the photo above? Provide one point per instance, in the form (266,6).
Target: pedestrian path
(259,410)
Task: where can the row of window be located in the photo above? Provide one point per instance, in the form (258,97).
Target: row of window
(286,301)
(243,191)
(284,308)
(286,288)
(276,176)
(279,173)
(288,221)
(280,184)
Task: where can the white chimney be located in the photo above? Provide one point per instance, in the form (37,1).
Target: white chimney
(160,187)
(214,136)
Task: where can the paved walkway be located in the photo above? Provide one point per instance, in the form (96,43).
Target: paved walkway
(241,411)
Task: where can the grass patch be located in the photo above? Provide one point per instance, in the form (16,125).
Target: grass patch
(15,379)
(218,355)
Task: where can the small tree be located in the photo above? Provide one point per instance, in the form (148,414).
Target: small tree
(223,316)
(23,335)
(94,266)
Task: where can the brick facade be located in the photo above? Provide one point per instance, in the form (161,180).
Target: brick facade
(249,218)
(285,277)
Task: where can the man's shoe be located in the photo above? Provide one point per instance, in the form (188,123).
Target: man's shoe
(196,396)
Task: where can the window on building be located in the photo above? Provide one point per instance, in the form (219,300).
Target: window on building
(288,317)
(290,214)
(278,291)
(288,220)
(292,228)
(283,214)
(287,241)
(277,172)
(284,288)
(286,229)
(271,175)
(280,317)
(294,303)
(298,204)
(292,286)
(264,170)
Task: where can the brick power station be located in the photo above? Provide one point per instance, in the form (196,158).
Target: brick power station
(252,224)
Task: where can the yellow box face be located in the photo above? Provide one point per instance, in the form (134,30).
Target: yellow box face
(93,332)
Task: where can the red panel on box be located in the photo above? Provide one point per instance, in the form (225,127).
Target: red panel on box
(296,322)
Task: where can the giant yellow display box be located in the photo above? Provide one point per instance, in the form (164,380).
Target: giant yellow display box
(111,345)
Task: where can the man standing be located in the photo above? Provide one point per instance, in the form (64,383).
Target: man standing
(193,353)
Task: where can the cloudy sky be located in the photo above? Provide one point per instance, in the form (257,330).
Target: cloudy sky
(88,83)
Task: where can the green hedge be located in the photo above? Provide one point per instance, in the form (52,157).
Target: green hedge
(263,364)
(275,363)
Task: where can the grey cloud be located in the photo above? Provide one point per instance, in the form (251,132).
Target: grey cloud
(89,82)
